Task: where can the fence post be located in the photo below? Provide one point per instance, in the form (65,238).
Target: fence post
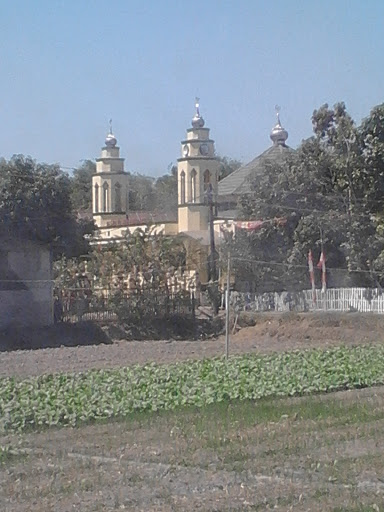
(193,305)
(227,297)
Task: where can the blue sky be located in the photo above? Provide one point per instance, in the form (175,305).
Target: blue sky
(68,66)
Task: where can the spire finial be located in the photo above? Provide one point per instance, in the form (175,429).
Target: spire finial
(110,141)
(197,121)
(277,109)
(197,105)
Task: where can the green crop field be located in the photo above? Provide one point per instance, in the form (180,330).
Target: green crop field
(73,399)
(251,433)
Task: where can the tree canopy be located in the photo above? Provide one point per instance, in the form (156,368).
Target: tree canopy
(146,193)
(144,253)
(328,194)
(35,202)
(228,166)
(81,187)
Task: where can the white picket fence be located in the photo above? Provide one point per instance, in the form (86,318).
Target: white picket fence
(366,300)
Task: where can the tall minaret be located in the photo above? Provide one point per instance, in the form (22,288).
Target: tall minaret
(197,173)
(110,185)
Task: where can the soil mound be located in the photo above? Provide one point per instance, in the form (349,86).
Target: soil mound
(326,326)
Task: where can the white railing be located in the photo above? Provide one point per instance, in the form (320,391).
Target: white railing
(366,300)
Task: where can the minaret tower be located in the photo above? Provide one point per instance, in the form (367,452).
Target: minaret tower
(197,173)
(110,185)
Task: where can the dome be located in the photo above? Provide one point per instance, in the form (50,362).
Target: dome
(278,134)
(110,140)
(197,121)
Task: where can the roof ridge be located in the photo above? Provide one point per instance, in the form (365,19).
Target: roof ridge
(234,181)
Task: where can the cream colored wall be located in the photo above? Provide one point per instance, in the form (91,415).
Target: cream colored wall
(193,218)
(110,165)
(108,233)
(198,133)
(111,180)
(171,228)
(113,151)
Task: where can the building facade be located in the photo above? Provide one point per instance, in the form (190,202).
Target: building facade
(205,205)
(110,186)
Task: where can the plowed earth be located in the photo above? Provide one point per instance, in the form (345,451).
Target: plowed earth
(303,454)
(271,332)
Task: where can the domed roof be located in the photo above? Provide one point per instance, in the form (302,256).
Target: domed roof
(197,121)
(110,140)
(278,134)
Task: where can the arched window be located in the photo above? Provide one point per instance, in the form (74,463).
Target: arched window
(105,197)
(207,180)
(182,187)
(96,199)
(118,205)
(193,186)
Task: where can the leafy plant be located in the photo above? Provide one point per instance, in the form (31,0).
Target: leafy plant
(73,399)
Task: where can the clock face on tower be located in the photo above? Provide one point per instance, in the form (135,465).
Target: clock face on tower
(204,149)
(186,150)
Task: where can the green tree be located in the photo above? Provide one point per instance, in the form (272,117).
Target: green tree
(166,191)
(153,256)
(371,137)
(36,203)
(327,194)
(81,186)
(228,166)
(141,192)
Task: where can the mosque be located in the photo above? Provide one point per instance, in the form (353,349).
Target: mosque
(205,204)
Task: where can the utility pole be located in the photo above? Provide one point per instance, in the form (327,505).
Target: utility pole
(212,278)
(212,249)
(347,144)
(227,309)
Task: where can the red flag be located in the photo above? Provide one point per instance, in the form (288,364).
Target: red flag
(252,225)
(321,265)
(321,260)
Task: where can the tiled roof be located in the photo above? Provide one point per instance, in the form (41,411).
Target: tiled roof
(134,218)
(238,182)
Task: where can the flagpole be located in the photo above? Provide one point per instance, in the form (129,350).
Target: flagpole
(227,300)
(321,264)
(312,276)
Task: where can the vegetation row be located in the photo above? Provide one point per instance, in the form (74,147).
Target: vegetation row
(74,399)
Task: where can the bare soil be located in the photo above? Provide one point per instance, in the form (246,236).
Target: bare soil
(254,334)
(300,454)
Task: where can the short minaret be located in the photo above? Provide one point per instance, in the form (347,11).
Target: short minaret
(278,135)
(197,172)
(110,185)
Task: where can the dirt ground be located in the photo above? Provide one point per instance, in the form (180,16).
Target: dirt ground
(304,454)
(298,454)
(270,332)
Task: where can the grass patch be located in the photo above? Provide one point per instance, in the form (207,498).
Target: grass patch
(99,395)
(9,455)
(289,453)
